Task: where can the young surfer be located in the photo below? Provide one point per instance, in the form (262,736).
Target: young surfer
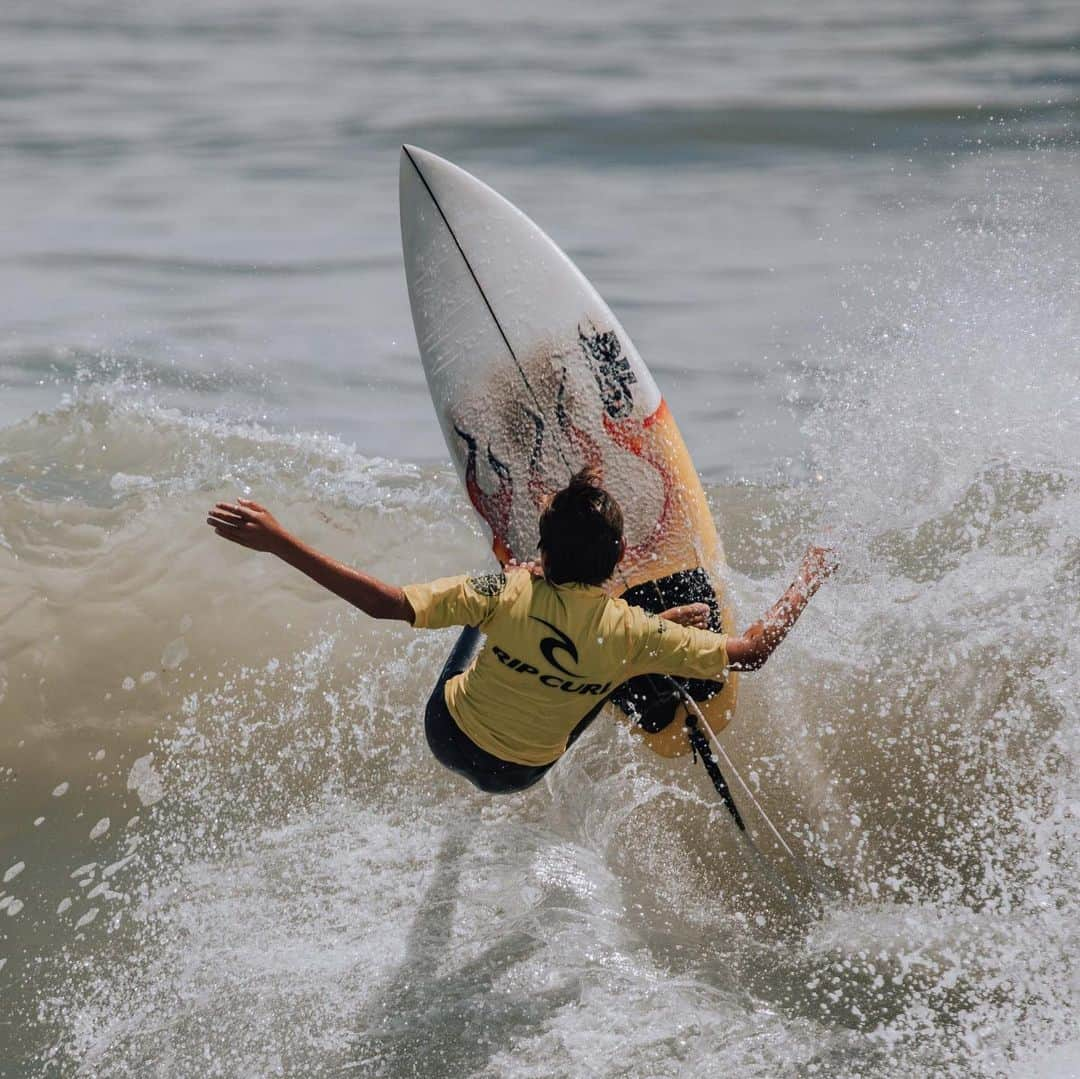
(505,708)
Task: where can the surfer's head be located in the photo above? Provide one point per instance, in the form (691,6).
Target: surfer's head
(581,532)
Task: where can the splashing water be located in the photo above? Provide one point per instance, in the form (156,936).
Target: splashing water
(280,880)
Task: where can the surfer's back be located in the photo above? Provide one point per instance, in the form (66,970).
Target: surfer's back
(553,653)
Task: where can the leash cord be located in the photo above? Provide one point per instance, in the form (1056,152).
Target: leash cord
(696,716)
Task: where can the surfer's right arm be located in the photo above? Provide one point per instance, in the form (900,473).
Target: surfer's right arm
(750,651)
(255,527)
(692,652)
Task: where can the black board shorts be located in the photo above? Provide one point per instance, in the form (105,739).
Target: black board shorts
(458,752)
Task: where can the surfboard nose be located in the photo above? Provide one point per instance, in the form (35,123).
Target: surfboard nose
(427,181)
(415,160)
(414,192)
(418,175)
(437,175)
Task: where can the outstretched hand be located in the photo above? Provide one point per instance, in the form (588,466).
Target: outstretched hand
(818,564)
(247,523)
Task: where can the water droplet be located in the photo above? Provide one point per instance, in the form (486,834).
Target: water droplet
(174,654)
(87,918)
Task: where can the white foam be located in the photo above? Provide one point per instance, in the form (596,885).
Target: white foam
(123,482)
(145,781)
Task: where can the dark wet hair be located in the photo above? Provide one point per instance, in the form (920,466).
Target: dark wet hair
(581,532)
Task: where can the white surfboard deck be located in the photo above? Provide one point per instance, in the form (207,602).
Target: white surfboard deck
(522,355)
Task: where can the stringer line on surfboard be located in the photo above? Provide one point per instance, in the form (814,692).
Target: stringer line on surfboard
(484,297)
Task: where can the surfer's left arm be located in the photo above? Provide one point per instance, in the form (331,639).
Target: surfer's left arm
(255,527)
(751,650)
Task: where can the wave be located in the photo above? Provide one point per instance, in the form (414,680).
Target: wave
(245,848)
(913,746)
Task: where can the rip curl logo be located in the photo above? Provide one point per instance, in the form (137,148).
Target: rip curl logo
(553,681)
(559,643)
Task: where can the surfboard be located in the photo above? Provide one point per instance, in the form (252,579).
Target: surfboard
(532,378)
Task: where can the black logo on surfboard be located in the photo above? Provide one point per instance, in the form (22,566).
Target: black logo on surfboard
(559,643)
(611,367)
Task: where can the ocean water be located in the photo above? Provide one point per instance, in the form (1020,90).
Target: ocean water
(843,237)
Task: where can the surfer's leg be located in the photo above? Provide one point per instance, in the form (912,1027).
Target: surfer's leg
(439,726)
(454,749)
(461,655)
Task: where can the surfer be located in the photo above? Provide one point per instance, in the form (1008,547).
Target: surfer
(555,645)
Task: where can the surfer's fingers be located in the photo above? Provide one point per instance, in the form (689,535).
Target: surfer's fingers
(232,527)
(698,615)
(223,528)
(220,517)
(821,560)
(242,508)
(689,614)
(532,566)
(234,536)
(228,511)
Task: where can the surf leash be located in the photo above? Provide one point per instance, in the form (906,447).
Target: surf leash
(699,746)
(712,761)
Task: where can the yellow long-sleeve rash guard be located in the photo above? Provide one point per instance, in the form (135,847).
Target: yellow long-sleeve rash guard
(551,653)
